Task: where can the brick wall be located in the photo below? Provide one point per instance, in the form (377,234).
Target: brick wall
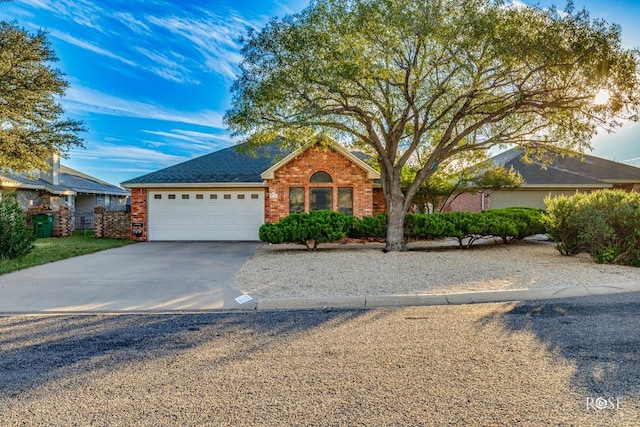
(379,202)
(63,224)
(297,173)
(138,213)
(112,224)
(467,202)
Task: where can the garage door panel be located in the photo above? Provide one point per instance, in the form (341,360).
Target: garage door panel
(205,215)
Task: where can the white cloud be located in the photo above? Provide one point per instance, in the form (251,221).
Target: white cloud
(167,68)
(125,153)
(82,12)
(133,23)
(79,99)
(214,37)
(91,47)
(191,141)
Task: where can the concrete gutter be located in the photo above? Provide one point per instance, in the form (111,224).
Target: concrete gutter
(373,301)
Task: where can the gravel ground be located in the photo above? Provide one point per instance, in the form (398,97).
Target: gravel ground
(283,271)
(478,365)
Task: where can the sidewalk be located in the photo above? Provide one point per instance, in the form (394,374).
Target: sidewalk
(372,301)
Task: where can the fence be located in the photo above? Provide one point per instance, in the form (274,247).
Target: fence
(84,220)
(63,224)
(112,224)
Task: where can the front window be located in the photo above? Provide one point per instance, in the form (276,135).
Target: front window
(320,198)
(320,177)
(296,199)
(345,200)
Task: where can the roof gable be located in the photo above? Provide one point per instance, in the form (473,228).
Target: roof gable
(235,165)
(371,173)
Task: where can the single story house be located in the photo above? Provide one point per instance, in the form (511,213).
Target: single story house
(62,186)
(229,194)
(561,176)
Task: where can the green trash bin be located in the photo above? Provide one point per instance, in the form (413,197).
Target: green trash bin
(42,225)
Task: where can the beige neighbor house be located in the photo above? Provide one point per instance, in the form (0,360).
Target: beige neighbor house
(61,186)
(562,176)
(229,194)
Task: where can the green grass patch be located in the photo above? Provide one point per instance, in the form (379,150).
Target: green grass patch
(57,248)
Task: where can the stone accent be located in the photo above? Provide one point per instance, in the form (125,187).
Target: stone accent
(138,214)
(297,173)
(112,224)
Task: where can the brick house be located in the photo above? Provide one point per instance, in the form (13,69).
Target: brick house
(229,194)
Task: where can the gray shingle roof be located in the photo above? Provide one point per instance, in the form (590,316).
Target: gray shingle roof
(588,170)
(70,180)
(82,183)
(229,165)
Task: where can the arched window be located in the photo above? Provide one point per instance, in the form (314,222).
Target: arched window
(320,177)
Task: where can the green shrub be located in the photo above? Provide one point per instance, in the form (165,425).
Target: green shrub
(562,223)
(527,222)
(309,229)
(369,227)
(16,237)
(427,226)
(605,224)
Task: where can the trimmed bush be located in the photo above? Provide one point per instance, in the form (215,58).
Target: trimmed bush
(369,227)
(527,222)
(16,237)
(605,224)
(465,227)
(309,229)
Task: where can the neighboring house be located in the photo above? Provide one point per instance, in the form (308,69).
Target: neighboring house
(62,186)
(561,176)
(229,194)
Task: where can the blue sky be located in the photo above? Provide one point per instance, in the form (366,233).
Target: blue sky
(151,79)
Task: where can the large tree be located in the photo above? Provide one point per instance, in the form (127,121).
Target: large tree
(427,81)
(31,127)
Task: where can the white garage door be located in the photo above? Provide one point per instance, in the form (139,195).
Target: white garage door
(205,215)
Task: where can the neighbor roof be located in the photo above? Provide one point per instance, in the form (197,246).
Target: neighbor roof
(83,183)
(584,170)
(71,181)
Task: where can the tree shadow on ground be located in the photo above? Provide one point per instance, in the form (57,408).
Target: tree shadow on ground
(34,350)
(599,334)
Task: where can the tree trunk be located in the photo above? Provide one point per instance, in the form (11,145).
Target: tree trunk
(395,218)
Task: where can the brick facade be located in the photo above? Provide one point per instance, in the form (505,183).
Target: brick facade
(379,202)
(139,214)
(467,202)
(298,172)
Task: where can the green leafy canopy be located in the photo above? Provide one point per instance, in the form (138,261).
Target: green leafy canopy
(31,127)
(421,82)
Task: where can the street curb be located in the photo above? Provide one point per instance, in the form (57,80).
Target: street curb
(509,295)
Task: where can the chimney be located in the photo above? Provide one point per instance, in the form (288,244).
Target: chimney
(52,174)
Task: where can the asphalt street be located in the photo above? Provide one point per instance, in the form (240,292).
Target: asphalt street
(548,362)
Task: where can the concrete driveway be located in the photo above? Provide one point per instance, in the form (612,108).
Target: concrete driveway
(159,276)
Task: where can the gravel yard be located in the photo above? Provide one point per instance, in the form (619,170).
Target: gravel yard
(289,271)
